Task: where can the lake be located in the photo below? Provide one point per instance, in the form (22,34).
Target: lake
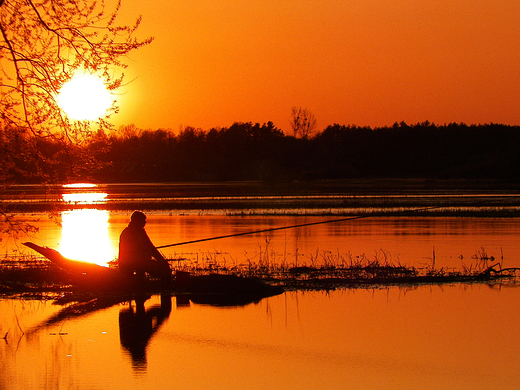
(460,336)
(456,337)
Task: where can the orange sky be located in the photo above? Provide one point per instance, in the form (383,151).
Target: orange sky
(363,62)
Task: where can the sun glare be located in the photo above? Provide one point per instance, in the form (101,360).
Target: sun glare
(79,185)
(85,236)
(85,97)
(85,197)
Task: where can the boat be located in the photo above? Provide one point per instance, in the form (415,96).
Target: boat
(74,266)
(212,288)
(85,275)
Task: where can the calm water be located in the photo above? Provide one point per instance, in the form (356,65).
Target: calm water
(430,337)
(451,241)
(454,337)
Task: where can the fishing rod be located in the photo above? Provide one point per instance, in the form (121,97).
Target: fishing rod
(299,225)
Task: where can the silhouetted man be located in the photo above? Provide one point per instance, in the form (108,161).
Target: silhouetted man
(136,251)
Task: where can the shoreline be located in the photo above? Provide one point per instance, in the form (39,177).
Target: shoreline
(425,197)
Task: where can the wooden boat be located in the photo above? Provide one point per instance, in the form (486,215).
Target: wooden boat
(75,266)
(83,274)
(89,277)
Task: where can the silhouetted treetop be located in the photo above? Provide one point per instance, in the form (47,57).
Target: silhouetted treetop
(253,151)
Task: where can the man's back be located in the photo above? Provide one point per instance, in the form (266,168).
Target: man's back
(135,247)
(136,251)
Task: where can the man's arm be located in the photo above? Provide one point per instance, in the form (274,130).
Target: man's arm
(156,254)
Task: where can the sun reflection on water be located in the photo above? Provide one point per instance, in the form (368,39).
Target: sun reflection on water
(84,236)
(79,185)
(84,232)
(85,197)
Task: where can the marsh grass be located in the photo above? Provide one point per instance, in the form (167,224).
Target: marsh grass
(321,270)
(331,270)
(30,272)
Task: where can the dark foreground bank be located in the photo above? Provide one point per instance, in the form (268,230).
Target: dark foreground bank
(36,275)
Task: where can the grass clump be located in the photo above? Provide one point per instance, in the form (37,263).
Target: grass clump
(325,270)
(30,273)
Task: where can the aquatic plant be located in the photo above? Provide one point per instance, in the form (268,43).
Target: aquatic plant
(328,270)
(322,270)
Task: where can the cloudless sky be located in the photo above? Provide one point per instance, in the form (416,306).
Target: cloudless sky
(363,62)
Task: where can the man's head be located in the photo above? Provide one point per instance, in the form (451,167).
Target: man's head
(138,218)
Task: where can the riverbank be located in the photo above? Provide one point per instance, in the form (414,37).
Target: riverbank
(37,275)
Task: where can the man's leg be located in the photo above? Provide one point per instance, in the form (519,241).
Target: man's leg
(160,269)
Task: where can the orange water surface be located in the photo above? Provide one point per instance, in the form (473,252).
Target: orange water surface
(461,336)
(92,235)
(456,336)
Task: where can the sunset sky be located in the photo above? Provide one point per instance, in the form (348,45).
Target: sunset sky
(363,62)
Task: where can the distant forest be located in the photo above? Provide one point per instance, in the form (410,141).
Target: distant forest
(253,151)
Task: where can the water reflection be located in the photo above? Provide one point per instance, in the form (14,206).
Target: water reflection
(84,193)
(84,236)
(79,185)
(85,231)
(85,197)
(454,336)
(138,324)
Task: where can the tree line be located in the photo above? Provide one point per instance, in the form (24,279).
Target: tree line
(253,151)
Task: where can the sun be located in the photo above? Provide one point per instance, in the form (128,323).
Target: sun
(85,97)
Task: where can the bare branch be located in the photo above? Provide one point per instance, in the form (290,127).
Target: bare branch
(44,42)
(303,122)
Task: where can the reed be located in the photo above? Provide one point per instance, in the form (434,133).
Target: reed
(322,270)
(30,273)
(325,270)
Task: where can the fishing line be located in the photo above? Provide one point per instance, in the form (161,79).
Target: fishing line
(311,224)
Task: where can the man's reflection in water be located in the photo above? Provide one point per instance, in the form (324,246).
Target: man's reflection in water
(137,326)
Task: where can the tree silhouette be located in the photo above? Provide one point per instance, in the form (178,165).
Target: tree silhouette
(303,122)
(42,44)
